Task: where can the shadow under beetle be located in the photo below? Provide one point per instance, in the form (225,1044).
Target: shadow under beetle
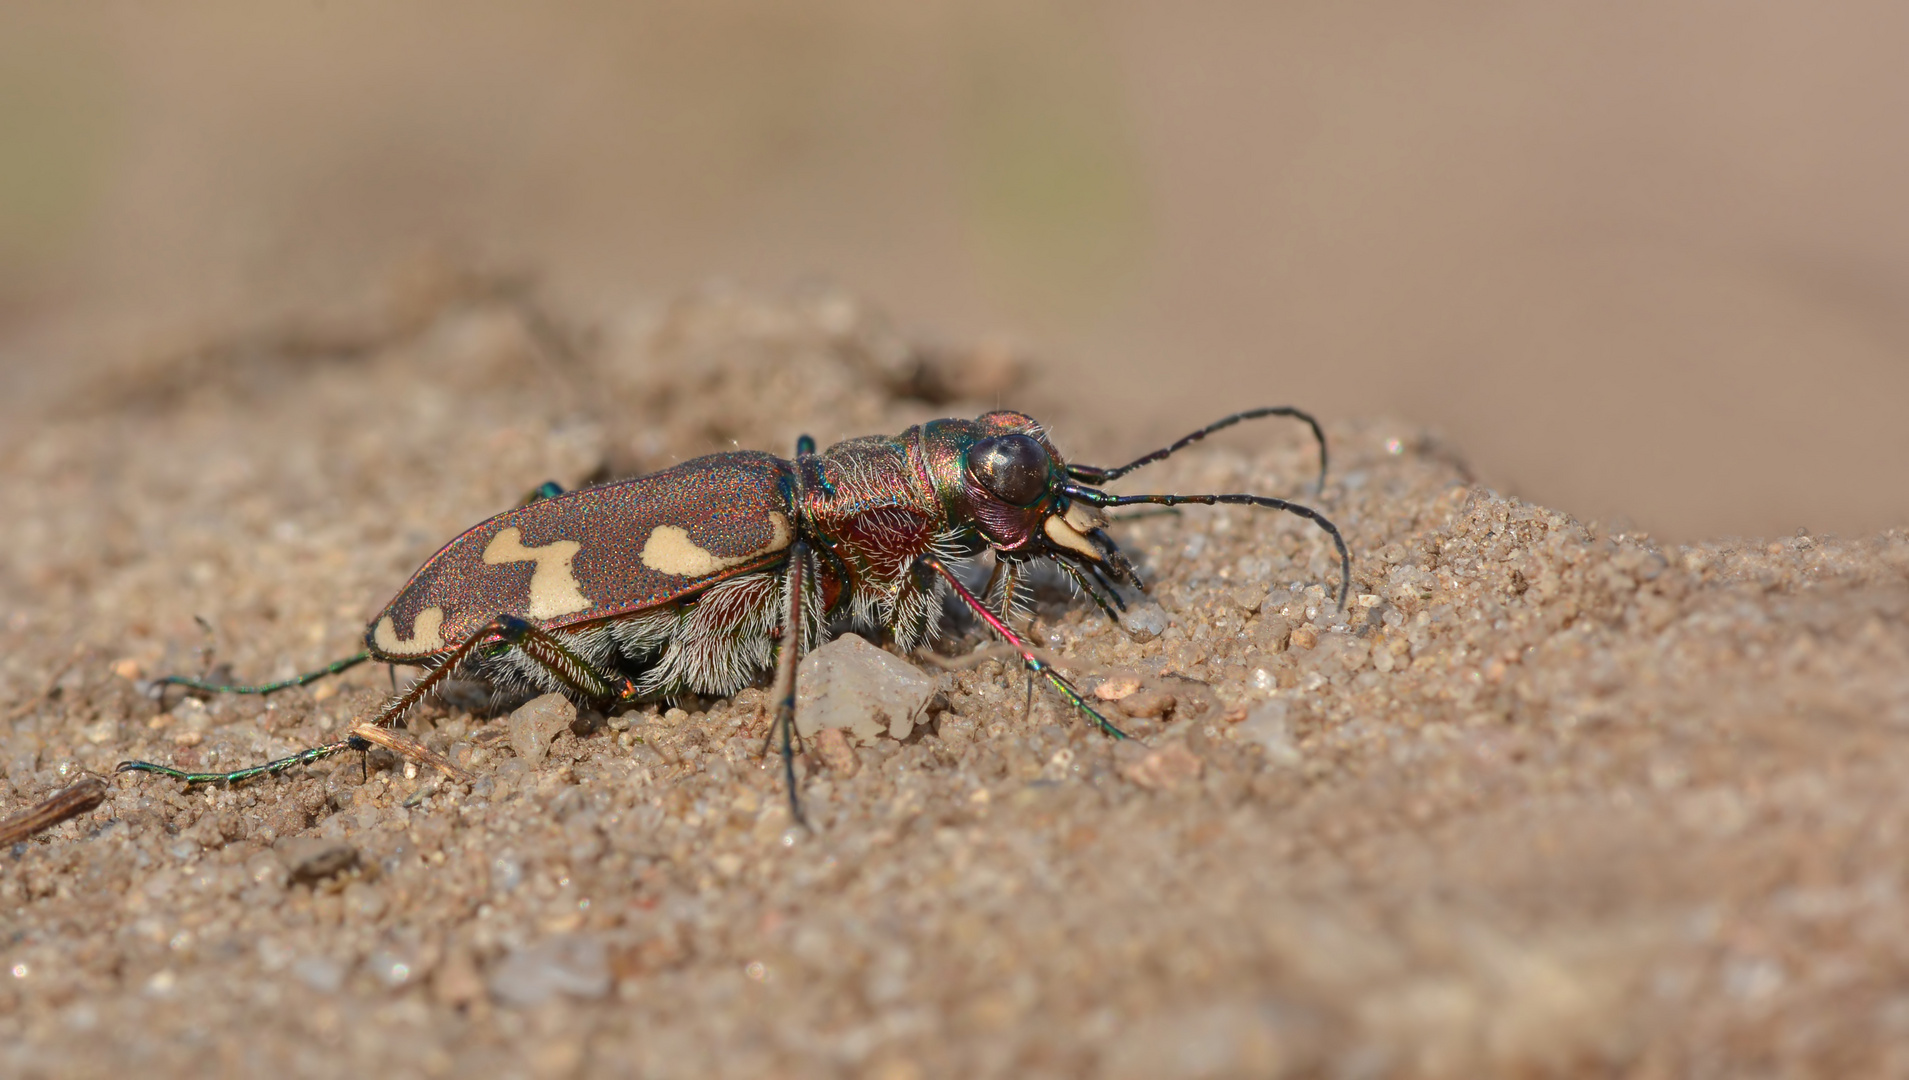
(702,577)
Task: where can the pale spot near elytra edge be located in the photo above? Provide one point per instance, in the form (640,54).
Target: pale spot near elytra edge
(669,550)
(426,636)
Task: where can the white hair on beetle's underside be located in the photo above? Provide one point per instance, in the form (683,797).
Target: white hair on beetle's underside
(915,616)
(640,637)
(951,546)
(716,644)
(726,637)
(722,641)
(729,636)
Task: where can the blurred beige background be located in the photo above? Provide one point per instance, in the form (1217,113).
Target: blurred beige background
(1635,260)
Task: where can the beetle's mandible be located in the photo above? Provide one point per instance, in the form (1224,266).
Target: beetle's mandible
(705,576)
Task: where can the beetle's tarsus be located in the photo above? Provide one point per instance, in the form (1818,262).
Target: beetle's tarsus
(269,768)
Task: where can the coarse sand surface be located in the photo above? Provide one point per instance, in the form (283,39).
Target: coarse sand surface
(1544,799)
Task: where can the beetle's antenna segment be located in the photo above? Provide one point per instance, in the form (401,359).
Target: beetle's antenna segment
(1101,498)
(1089,474)
(332,668)
(1033,662)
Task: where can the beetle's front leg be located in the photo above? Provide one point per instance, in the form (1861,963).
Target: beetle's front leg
(1034,663)
(1004,587)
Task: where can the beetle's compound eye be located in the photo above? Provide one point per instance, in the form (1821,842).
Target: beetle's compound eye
(1013,467)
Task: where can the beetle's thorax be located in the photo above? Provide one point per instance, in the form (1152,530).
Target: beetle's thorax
(870,513)
(854,477)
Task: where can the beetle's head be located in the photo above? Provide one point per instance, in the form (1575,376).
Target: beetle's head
(1012,482)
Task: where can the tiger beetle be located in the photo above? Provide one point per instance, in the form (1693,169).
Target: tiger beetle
(705,576)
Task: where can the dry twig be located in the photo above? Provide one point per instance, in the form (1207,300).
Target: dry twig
(69,802)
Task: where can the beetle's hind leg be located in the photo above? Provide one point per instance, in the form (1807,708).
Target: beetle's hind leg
(788,658)
(269,768)
(332,668)
(540,646)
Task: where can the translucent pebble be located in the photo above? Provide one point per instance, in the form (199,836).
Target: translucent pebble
(1145,621)
(321,973)
(576,965)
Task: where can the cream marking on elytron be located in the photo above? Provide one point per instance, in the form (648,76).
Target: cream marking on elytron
(425,636)
(553,588)
(669,550)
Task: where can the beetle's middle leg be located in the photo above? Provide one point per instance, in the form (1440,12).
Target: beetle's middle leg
(788,657)
(549,489)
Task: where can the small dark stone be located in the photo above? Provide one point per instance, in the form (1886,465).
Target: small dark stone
(309,860)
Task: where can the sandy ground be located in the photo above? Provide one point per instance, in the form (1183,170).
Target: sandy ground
(1545,800)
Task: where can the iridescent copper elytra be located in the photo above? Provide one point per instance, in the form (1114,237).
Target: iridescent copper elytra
(703,577)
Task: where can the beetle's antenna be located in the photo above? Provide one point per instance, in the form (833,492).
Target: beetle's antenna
(332,668)
(1089,474)
(1101,498)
